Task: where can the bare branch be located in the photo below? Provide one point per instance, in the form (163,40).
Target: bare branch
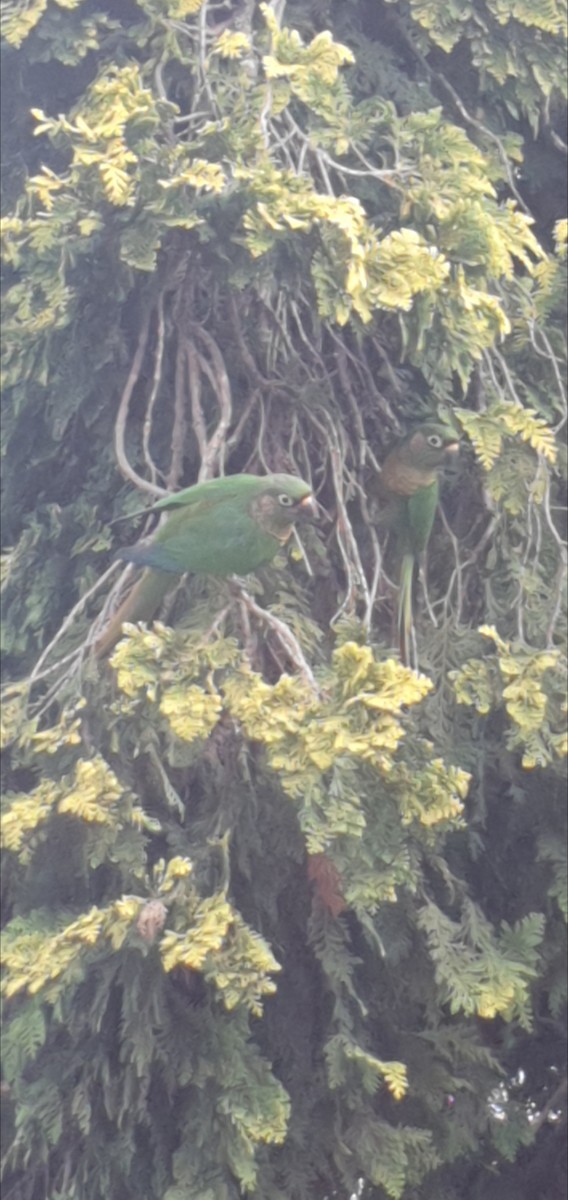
(214,449)
(122,416)
(69,621)
(179,425)
(235,437)
(197,415)
(284,635)
(158,361)
(247,357)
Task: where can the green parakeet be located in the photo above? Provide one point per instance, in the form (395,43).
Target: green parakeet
(409,488)
(225,526)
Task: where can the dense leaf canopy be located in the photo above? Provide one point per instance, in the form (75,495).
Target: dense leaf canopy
(284,917)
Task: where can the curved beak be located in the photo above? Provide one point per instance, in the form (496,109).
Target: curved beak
(452,448)
(308,507)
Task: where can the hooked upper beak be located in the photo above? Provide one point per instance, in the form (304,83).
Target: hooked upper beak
(308,507)
(452,448)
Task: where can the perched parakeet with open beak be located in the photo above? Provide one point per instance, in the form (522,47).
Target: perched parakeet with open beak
(409,488)
(225,526)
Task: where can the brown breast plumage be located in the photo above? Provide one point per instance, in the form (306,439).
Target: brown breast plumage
(403,479)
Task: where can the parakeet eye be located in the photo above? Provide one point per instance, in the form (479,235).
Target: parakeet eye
(434,440)
(285,500)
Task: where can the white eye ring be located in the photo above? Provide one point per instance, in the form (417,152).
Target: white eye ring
(285,500)
(434,440)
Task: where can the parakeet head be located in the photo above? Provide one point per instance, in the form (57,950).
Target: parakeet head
(281,501)
(427,446)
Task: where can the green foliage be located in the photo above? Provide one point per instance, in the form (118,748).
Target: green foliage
(282,915)
(533,699)
(550,849)
(358,793)
(507,420)
(495,980)
(517,46)
(340,1055)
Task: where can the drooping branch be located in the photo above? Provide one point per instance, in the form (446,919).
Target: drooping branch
(122,416)
(284,635)
(248,359)
(158,362)
(179,424)
(211,448)
(346,540)
(197,414)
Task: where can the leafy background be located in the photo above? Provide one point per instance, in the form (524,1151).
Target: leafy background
(284,918)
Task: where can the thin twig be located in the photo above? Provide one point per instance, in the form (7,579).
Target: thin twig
(507,376)
(214,450)
(305,558)
(308,343)
(260,438)
(158,361)
(235,437)
(69,619)
(345,536)
(456,573)
(559,593)
(216,623)
(202,22)
(548,353)
(248,358)
(56,666)
(122,416)
(340,358)
(366,377)
(424,582)
(325,160)
(179,425)
(197,415)
(283,633)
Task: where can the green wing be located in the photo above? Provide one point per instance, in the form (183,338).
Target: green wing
(235,489)
(227,487)
(209,492)
(210,530)
(218,538)
(421,510)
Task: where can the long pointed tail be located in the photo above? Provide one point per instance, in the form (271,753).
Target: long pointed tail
(140,605)
(405,606)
